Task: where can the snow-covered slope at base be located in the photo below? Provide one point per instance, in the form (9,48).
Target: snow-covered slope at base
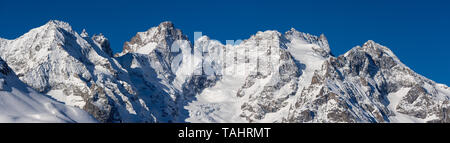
(20,103)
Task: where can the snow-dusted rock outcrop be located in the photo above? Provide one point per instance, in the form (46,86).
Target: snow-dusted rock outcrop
(308,84)
(75,70)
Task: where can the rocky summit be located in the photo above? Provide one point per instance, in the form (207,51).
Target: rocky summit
(161,76)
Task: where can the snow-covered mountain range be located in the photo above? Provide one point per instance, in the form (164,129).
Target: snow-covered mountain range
(161,76)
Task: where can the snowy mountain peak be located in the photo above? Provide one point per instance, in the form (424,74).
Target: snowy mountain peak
(372,45)
(203,38)
(20,103)
(323,38)
(57,61)
(103,43)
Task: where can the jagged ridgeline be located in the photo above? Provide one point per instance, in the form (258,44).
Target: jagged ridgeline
(270,77)
(20,103)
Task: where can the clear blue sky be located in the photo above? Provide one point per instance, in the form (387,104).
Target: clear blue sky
(417,31)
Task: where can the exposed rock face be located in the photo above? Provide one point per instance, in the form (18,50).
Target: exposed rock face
(169,77)
(160,76)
